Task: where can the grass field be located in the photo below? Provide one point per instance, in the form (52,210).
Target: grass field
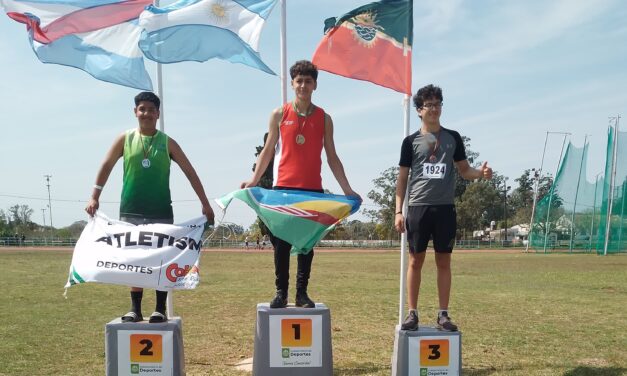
(520,314)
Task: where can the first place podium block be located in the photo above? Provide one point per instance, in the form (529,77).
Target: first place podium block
(427,352)
(293,341)
(141,348)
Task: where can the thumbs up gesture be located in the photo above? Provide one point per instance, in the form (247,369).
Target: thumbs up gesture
(485,171)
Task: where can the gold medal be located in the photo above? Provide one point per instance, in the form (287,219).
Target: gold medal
(300,137)
(145,163)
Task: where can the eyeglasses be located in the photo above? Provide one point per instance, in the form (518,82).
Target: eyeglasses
(432,106)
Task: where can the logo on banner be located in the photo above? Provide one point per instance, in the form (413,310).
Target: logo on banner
(173,272)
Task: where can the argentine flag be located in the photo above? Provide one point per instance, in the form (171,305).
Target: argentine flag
(199,30)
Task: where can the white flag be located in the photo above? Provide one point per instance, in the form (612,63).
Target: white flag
(159,256)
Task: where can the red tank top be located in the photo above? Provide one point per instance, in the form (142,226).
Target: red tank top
(297,158)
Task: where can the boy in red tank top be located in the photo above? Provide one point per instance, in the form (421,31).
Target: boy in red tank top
(298,132)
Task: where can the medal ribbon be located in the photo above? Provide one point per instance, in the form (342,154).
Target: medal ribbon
(146,152)
(432,157)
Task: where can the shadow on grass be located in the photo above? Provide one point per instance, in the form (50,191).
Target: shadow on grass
(579,371)
(366,369)
(594,371)
(478,372)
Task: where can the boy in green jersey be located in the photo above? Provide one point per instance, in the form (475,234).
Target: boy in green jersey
(147,153)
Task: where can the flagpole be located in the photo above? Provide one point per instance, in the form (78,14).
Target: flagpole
(403,273)
(160,93)
(283,42)
(170,299)
(610,200)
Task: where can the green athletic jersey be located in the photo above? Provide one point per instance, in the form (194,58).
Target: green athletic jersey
(146,191)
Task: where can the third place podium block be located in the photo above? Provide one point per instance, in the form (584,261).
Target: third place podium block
(293,341)
(427,352)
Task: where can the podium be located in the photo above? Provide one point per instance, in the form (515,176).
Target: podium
(427,352)
(293,341)
(141,348)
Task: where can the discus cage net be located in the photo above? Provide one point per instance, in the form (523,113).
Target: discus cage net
(577,215)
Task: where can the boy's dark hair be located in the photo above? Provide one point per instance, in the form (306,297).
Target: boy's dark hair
(148,96)
(427,92)
(304,68)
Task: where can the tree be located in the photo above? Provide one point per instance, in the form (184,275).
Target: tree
(265,182)
(4,221)
(471,157)
(19,218)
(522,197)
(384,196)
(267,177)
(478,206)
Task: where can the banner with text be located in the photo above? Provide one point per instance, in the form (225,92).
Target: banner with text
(159,256)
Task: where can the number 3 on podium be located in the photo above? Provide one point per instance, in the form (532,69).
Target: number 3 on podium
(434,352)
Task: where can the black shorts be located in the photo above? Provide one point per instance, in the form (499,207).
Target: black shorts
(437,222)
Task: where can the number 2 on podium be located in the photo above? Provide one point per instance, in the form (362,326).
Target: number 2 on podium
(146,348)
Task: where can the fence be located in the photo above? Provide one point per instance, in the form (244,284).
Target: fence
(37,242)
(237,244)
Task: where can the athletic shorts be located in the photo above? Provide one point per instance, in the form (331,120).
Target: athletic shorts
(145,221)
(437,223)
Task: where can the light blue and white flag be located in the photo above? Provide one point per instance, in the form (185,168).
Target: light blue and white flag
(199,30)
(97,36)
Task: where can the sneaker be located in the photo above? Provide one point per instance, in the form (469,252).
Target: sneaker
(302,300)
(444,323)
(279,301)
(411,321)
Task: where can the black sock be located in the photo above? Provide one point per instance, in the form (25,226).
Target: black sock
(162,296)
(136,301)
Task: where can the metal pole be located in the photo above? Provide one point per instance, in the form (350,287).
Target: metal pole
(160,93)
(548,211)
(49,200)
(608,221)
(622,212)
(283,57)
(594,203)
(403,273)
(170,299)
(505,206)
(572,217)
(535,192)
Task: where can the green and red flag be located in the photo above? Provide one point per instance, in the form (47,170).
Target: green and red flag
(301,218)
(370,43)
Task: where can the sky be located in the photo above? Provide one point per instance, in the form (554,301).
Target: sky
(510,72)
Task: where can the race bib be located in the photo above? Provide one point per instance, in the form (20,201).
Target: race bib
(434,170)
